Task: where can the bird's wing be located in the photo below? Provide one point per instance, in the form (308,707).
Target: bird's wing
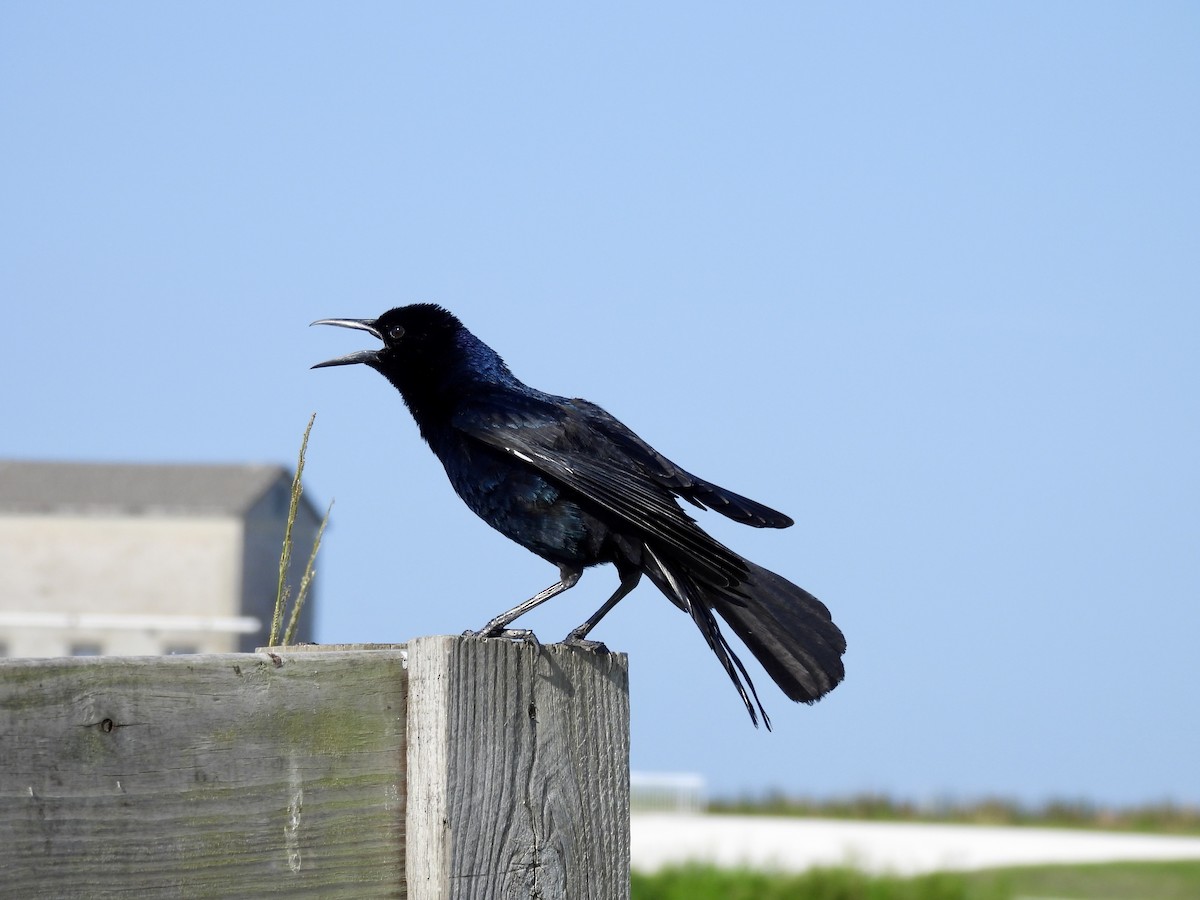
(627,479)
(679,481)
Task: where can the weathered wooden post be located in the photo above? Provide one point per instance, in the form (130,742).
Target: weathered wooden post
(449,768)
(523,762)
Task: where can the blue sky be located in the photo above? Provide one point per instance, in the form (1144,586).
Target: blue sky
(923,277)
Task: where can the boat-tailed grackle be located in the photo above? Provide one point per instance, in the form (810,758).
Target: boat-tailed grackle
(568,481)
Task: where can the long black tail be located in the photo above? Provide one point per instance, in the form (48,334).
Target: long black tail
(789,631)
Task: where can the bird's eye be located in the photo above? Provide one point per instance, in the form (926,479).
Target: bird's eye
(396,332)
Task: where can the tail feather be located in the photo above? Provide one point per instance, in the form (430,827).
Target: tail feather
(789,631)
(682,589)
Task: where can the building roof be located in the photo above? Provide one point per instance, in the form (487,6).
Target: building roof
(134,488)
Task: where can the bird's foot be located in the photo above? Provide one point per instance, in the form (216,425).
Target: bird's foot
(514,634)
(584,644)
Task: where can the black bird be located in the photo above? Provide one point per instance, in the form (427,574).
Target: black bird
(568,481)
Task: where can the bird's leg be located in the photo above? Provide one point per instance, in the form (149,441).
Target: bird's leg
(629,580)
(497,626)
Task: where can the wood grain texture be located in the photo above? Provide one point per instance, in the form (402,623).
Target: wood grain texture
(232,775)
(519,771)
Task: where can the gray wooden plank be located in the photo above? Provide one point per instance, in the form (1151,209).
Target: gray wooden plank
(228,775)
(519,771)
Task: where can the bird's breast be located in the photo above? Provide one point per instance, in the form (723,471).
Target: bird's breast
(524,505)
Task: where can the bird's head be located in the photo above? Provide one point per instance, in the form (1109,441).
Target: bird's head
(428,355)
(411,335)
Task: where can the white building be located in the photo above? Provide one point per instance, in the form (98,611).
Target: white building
(144,559)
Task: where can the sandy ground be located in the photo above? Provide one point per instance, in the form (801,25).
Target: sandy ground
(904,848)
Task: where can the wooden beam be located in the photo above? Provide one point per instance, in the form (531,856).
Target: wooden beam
(223,775)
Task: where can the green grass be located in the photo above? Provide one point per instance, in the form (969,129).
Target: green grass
(1106,881)
(1111,881)
(707,883)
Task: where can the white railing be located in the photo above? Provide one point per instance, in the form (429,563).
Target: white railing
(677,792)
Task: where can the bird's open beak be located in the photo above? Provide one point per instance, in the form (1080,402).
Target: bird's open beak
(360,356)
